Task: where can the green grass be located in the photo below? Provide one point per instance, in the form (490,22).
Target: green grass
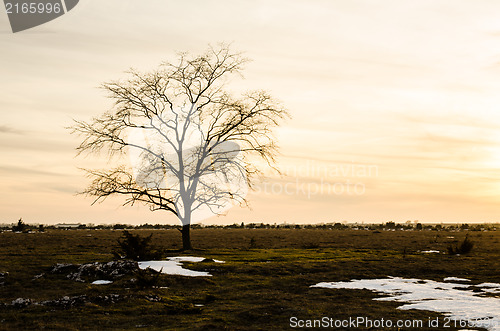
(257,288)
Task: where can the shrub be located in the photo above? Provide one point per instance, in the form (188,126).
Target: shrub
(136,248)
(119,226)
(464,248)
(390,225)
(20,227)
(146,278)
(253,243)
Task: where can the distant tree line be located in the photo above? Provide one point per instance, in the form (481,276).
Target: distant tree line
(20,226)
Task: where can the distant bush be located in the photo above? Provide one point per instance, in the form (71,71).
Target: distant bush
(20,227)
(390,225)
(253,243)
(464,248)
(136,248)
(119,226)
(339,226)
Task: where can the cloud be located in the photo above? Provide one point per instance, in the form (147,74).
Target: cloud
(464,120)
(8,129)
(38,143)
(28,171)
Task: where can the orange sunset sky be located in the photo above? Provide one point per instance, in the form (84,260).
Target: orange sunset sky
(395,105)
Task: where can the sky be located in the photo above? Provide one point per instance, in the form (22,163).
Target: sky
(395,105)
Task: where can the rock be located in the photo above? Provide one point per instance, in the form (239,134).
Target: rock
(78,300)
(66,301)
(110,298)
(152,298)
(4,274)
(21,302)
(39,276)
(60,268)
(2,277)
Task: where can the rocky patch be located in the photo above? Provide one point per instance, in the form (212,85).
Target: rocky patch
(68,302)
(96,270)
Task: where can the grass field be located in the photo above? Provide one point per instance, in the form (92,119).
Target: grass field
(265,281)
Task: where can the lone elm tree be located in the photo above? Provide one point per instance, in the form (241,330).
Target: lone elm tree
(191,146)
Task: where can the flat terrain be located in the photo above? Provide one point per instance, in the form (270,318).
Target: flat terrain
(265,281)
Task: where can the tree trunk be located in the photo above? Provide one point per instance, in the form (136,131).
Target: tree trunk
(186,237)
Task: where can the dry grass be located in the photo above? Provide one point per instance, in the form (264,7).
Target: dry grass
(264,282)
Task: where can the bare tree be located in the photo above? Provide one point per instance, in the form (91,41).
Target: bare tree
(192,147)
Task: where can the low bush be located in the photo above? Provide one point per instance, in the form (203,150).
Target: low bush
(147,278)
(464,248)
(20,227)
(136,248)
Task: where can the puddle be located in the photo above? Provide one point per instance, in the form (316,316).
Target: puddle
(431,251)
(191,259)
(457,301)
(490,287)
(173,266)
(102,282)
(456,279)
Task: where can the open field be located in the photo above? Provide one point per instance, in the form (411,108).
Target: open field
(265,281)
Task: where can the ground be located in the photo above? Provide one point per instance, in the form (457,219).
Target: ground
(265,281)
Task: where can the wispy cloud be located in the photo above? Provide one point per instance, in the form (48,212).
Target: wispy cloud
(10,170)
(9,129)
